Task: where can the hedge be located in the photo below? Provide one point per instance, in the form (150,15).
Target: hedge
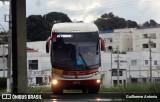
(3,82)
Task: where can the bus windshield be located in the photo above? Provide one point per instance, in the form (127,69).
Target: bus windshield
(76,51)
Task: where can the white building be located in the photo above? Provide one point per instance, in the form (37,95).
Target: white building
(39,68)
(141,39)
(121,38)
(38,63)
(138,66)
(138,62)
(134,66)
(110,76)
(3,61)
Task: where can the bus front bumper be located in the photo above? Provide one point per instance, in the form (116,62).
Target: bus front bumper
(75,84)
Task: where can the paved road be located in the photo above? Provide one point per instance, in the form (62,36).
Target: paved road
(77,97)
(74,97)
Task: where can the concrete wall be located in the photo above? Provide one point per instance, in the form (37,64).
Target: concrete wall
(121,38)
(141,69)
(106,67)
(139,40)
(44,68)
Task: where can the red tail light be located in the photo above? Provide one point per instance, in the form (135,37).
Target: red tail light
(54,37)
(48,44)
(102,45)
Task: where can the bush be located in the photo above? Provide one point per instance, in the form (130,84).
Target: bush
(3,83)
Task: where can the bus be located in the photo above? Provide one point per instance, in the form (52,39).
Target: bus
(75,52)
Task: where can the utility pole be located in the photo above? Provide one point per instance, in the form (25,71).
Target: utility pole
(111,49)
(140,76)
(111,65)
(150,58)
(129,75)
(3,61)
(9,50)
(117,65)
(19,54)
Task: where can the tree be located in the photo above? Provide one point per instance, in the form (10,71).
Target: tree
(101,24)
(55,17)
(131,24)
(108,16)
(39,27)
(110,21)
(146,24)
(153,23)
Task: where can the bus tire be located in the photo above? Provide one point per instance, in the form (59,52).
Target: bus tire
(57,90)
(93,90)
(84,90)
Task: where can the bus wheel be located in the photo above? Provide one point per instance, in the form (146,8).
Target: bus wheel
(57,90)
(84,90)
(93,90)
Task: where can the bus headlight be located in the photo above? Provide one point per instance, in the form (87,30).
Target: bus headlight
(98,81)
(54,82)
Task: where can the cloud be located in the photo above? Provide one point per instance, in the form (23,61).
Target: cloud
(89,10)
(76,10)
(64,4)
(148,9)
(4,9)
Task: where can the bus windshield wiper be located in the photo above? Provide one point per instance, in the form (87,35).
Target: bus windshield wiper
(85,64)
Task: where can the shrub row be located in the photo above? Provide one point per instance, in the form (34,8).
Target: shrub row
(3,83)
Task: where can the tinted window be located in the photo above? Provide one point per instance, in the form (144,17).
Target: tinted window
(76,51)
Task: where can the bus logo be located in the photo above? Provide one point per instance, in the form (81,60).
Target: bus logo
(64,36)
(6,96)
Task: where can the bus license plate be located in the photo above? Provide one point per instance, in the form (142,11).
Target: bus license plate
(76,82)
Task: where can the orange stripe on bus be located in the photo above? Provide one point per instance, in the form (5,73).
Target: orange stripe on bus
(63,72)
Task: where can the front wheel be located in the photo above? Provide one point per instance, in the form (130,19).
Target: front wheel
(84,91)
(57,90)
(93,90)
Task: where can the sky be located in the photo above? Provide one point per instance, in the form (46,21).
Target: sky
(89,10)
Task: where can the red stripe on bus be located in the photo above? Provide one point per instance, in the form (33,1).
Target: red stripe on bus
(80,72)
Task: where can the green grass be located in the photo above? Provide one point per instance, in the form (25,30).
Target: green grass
(152,88)
(113,89)
(2,90)
(38,89)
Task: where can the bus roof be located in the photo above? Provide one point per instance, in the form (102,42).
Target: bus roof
(74,27)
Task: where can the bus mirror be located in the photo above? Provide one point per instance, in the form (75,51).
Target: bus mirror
(48,45)
(102,45)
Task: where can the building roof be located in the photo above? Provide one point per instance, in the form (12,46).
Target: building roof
(31,50)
